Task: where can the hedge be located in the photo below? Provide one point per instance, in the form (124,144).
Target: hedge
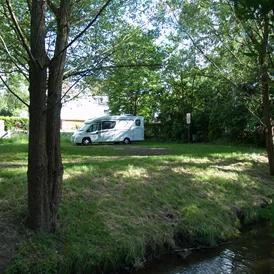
(9,123)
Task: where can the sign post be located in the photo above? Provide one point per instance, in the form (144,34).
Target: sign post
(188,121)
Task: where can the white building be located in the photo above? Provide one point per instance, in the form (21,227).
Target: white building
(75,112)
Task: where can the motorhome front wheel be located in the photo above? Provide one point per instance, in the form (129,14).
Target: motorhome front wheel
(86,141)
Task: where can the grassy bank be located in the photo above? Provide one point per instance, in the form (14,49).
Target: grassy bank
(123,203)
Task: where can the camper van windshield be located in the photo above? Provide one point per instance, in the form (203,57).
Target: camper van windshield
(84,127)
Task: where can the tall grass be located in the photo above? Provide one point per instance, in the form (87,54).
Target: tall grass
(123,203)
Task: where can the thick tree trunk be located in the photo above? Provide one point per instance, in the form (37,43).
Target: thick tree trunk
(267,123)
(265,94)
(38,198)
(56,71)
(45,169)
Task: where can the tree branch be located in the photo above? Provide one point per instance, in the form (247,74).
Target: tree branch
(83,31)
(67,91)
(53,8)
(111,50)
(256,116)
(202,51)
(10,90)
(130,66)
(18,29)
(12,59)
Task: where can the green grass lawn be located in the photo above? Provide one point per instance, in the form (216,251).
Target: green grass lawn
(122,203)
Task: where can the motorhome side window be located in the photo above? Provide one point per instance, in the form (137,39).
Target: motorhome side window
(92,128)
(108,124)
(137,122)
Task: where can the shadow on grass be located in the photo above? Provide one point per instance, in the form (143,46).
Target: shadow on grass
(170,186)
(118,201)
(148,201)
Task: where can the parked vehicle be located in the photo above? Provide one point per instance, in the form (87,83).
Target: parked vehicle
(116,129)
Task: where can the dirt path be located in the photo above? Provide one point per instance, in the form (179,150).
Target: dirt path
(144,151)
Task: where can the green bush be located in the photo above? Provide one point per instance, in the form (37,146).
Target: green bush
(152,130)
(9,122)
(268,213)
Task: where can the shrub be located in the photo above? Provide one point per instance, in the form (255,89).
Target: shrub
(9,122)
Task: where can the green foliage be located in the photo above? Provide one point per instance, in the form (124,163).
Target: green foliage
(9,122)
(9,102)
(205,65)
(65,137)
(115,205)
(133,84)
(268,213)
(5,112)
(213,77)
(252,9)
(153,130)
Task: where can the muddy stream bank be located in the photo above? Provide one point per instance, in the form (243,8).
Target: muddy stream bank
(251,253)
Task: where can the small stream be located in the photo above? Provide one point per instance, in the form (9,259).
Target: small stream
(251,253)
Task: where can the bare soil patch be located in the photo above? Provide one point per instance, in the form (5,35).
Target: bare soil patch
(144,151)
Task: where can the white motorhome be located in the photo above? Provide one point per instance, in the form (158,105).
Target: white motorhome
(116,129)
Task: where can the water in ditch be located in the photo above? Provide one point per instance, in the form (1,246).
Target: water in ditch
(251,253)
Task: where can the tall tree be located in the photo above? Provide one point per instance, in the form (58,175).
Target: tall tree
(59,39)
(133,80)
(223,50)
(45,169)
(257,18)
(50,23)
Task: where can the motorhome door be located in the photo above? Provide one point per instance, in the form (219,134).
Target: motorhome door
(138,130)
(93,131)
(107,132)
